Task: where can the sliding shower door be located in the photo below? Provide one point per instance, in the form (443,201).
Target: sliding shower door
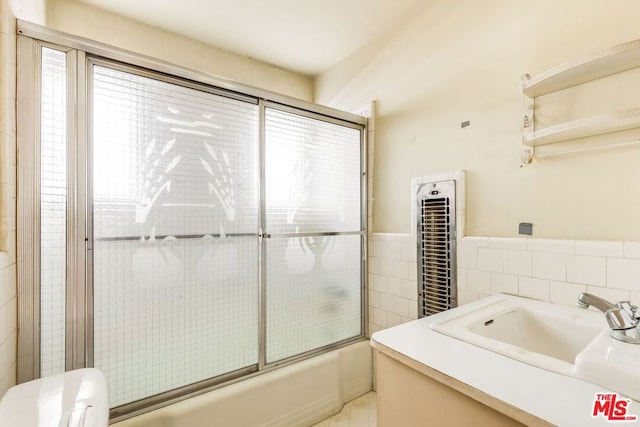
(314,223)
(175,232)
(177,235)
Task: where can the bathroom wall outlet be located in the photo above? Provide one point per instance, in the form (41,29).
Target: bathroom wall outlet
(525,228)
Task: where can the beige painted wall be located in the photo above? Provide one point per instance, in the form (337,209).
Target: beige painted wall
(457,61)
(96,24)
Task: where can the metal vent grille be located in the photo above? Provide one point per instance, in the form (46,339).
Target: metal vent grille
(436,248)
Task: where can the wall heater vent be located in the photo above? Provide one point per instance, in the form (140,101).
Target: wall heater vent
(436,240)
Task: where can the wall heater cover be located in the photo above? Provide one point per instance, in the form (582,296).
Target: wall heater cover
(435,207)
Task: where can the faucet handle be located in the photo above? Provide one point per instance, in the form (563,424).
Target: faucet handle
(628,307)
(627,314)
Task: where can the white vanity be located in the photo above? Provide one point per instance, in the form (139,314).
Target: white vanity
(504,360)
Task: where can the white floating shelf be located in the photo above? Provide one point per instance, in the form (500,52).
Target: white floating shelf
(600,64)
(595,125)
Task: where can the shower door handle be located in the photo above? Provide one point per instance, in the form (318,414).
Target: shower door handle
(263,235)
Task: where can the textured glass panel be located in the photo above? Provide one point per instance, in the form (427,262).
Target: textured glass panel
(312,175)
(175,199)
(313,293)
(53,211)
(172,313)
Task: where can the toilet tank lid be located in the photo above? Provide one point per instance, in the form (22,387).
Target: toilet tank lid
(74,398)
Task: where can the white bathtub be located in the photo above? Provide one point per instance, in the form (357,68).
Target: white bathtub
(300,394)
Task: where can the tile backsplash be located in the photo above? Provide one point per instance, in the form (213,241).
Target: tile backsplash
(544,269)
(392,279)
(548,270)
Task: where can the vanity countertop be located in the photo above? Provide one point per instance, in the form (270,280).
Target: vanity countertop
(526,393)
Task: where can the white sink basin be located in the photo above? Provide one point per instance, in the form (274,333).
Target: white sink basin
(566,340)
(559,337)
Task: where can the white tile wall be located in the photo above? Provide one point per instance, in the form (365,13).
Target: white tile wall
(549,265)
(517,262)
(468,257)
(479,281)
(491,259)
(8,300)
(600,248)
(504,283)
(552,246)
(548,270)
(590,270)
(370,113)
(565,293)
(393,289)
(623,273)
(632,249)
(533,288)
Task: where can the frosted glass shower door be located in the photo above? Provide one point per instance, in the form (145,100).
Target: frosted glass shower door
(175,233)
(313,221)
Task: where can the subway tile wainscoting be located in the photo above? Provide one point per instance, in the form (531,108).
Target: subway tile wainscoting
(544,269)
(393,284)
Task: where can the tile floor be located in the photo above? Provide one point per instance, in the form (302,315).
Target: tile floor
(360,412)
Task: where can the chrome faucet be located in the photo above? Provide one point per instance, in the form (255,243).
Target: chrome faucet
(620,316)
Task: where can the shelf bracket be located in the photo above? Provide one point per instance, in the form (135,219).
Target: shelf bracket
(528,123)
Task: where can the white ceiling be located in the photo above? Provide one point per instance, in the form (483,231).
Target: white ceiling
(307,36)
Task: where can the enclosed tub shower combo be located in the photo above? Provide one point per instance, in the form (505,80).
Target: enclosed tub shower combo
(183,232)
